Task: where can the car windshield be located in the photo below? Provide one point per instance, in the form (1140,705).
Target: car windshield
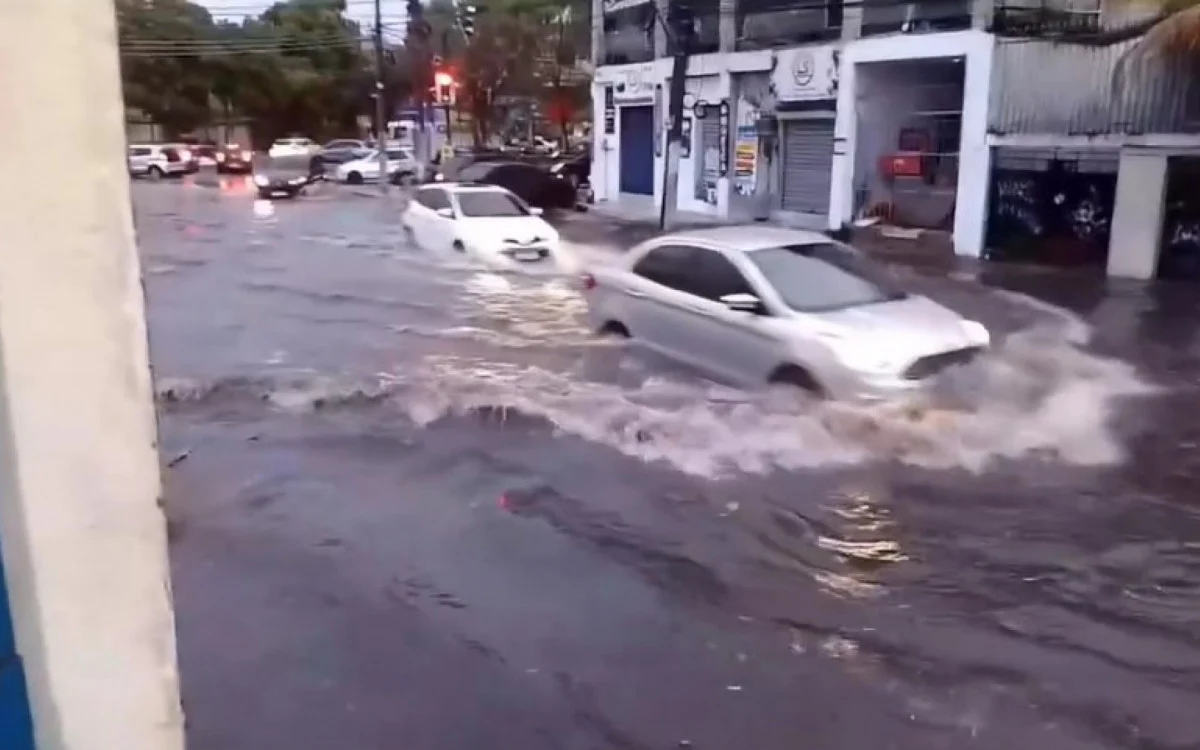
(490,203)
(823,277)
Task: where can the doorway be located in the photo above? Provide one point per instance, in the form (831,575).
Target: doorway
(637,150)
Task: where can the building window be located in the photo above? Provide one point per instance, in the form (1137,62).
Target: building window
(780,23)
(629,35)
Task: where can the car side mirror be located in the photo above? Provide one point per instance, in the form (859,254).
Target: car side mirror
(536,211)
(446,213)
(742,302)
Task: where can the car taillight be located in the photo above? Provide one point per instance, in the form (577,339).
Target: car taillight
(587,282)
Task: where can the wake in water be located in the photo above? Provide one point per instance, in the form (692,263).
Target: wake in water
(1038,392)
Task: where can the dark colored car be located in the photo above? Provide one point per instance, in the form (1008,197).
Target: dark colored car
(535,184)
(283,176)
(576,169)
(463,158)
(232,158)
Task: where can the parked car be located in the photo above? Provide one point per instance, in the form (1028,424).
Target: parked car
(487,222)
(337,152)
(232,158)
(206,154)
(400,163)
(576,169)
(187,154)
(533,183)
(155,161)
(446,170)
(754,304)
(282,176)
(294,146)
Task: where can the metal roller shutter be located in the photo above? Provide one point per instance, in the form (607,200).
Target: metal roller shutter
(807,165)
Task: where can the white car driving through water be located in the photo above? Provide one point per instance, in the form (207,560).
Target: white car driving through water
(365,168)
(755,304)
(485,221)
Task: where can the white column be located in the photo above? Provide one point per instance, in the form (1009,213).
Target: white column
(974,153)
(841,181)
(84,539)
(1138,214)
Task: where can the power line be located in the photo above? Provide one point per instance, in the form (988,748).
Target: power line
(153,45)
(246,50)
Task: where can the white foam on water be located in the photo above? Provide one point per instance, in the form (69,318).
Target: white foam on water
(1038,392)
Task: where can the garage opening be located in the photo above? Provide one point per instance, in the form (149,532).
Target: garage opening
(807,160)
(1051,206)
(1179,253)
(909,131)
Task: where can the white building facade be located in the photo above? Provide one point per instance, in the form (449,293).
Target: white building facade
(817,114)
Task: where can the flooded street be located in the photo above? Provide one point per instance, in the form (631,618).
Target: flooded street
(415,504)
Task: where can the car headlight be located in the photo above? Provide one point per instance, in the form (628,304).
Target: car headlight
(261,180)
(866,358)
(976,332)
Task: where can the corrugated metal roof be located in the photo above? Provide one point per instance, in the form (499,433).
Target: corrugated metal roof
(1047,87)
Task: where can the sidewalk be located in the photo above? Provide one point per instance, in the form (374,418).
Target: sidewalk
(924,248)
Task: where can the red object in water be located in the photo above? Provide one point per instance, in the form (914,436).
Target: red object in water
(588,282)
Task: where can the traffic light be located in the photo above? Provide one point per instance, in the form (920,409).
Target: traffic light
(443,88)
(466,19)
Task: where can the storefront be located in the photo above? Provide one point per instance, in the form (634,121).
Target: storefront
(626,99)
(805,82)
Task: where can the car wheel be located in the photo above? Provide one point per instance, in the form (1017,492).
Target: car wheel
(797,377)
(614,328)
(155,173)
(354,178)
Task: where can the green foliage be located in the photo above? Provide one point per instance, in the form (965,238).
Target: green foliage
(299,67)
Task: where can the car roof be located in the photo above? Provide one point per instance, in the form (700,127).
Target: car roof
(469,187)
(746,237)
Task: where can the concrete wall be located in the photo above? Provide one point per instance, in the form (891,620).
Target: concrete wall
(973,45)
(83,537)
(1138,214)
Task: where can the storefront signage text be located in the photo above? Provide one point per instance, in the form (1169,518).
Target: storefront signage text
(806,73)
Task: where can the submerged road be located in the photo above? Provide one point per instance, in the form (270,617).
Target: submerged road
(413,504)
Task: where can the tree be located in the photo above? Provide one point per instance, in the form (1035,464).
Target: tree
(298,66)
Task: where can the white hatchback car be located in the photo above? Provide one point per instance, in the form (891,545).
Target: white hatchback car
(293,147)
(155,161)
(366,168)
(484,221)
(755,304)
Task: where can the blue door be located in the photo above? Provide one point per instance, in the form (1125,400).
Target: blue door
(16,728)
(637,150)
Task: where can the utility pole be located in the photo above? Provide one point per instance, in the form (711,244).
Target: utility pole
(448,96)
(380,112)
(679,27)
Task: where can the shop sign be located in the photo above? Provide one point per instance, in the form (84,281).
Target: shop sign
(806,73)
(634,84)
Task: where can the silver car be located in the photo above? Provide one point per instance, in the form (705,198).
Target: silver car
(755,304)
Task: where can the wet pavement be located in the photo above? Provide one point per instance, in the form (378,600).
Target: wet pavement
(415,504)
